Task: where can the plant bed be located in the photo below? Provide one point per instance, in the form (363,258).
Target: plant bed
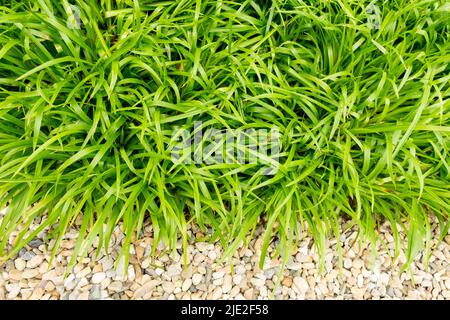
(117,112)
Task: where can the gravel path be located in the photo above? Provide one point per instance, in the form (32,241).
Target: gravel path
(28,275)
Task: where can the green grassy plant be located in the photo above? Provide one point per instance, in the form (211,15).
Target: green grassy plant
(358,90)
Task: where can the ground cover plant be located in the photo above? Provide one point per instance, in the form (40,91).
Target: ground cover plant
(91,93)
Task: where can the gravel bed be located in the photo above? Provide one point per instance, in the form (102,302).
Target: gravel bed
(28,275)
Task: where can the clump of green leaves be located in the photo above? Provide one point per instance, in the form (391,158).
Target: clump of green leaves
(87,111)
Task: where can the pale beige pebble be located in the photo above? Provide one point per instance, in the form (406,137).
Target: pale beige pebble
(384,278)
(201,270)
(144,279)
(159,271)
(199,258)
(29,273)
(218,275)
(83,282)
(131,273)
(446,294)
(70,282)
(46,296)
(49,286)
(237,278)
(216,294)
(146,288)
(212,255)
(447,239)
(146,263)
(35,261)
(115,286)
(15,275)
(168,287)
(98,268)
(187,272)
(105,283)
(234,291)
(360,281)
(84,295)
(426,284)
(241,270)
(196,279)
(258,282)
(98,277)
(186,285)
(139,252)
(347,263)
(227,283)
(357,263)
(447,283)
(37,294)
(84,272)
(358,293)
(43,268)
(301,284)
(240,297)
(13,291)
(20,264)
(248,294)
(287,282)
(351,281)
(25,294)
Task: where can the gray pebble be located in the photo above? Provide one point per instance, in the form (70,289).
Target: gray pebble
(26,255)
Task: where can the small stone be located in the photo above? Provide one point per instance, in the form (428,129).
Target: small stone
(131,273)
(258,282)
(347,263)
(26,255)
(98,277)
(70,282)
(168,287)
(96,292)
(29,273)
(196,279)
(301,284)
(237,278)
(84,272)
(218,275)
(20,264)
(240,270)
(186,285)
(187,273)
(447,283)
(35,243)
(217,293)
(384,278)
(357,263)
(358,293)
(83,295)
(146,288)
(212,255)
(13,291)
(248,294)
(287,282)
(115,286)
(35,261)
(227,283)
